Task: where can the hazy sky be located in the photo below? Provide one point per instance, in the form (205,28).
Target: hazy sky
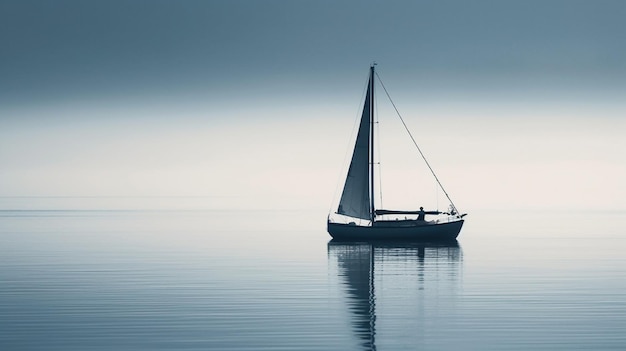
(516,103)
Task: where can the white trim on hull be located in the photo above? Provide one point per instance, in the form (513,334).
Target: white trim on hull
(434,232)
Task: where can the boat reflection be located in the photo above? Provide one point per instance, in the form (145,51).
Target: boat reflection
(393,275)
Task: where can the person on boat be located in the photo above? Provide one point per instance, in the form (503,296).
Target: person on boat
(421,214)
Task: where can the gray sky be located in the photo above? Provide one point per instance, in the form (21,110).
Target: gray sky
(113,49)
(202,97)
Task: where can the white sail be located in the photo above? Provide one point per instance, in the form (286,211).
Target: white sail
(355,199)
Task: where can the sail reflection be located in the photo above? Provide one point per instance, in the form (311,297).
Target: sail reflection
(385,276)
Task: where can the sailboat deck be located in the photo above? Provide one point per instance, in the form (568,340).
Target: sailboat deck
(402,223)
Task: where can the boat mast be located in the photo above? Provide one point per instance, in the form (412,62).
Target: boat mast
(371,87)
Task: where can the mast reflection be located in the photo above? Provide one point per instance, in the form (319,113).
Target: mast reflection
(393,265)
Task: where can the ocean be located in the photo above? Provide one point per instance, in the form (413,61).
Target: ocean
(104,277)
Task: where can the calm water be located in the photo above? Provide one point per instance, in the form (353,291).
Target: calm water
(271,280)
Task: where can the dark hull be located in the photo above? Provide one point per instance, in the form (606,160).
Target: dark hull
(408,230)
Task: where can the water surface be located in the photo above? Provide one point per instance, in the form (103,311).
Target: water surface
(272,280)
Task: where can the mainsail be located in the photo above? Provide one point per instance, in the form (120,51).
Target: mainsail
(355,199)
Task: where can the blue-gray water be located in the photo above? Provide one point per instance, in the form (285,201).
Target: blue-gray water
(270,280)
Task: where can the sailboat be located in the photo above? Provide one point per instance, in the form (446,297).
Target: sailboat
(357,217)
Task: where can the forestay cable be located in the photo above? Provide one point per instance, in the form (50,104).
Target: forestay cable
(415,143)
